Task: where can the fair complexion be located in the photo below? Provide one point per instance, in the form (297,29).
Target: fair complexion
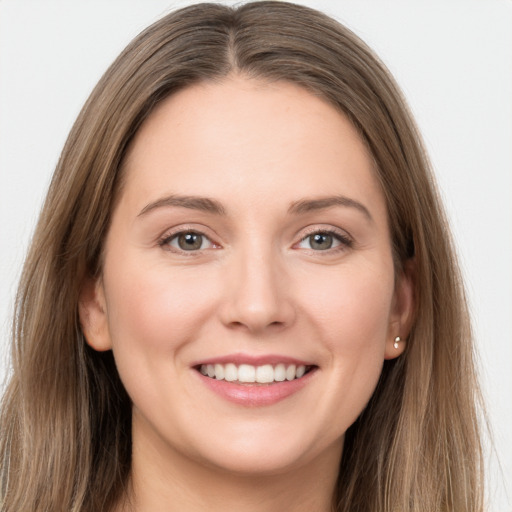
(250,230)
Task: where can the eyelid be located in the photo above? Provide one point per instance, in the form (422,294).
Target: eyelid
(345,240)
(170,234)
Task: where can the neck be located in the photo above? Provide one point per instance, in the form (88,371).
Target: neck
(174,482)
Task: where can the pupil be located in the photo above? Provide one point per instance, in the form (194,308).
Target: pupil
(190,241)
(321,241)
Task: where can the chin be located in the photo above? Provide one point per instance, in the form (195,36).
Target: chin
(249,454)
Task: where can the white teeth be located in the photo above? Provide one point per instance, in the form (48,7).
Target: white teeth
(264,374)
(230,372)
(246,373)
(279,373)
(290,372)
(219,371)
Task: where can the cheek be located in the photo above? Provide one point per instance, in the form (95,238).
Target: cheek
(158,308)
(355,303)
(353,317)
(351,314)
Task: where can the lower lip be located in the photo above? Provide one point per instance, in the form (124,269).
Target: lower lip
(256,395)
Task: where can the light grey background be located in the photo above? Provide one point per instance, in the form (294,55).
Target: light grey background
(452,58)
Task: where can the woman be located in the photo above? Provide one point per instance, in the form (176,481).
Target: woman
(242,291)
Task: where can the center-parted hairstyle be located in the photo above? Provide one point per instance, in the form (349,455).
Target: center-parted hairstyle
(66,418)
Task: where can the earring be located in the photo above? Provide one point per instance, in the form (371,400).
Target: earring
(397,340)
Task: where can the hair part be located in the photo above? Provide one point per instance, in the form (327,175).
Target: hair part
(66,418)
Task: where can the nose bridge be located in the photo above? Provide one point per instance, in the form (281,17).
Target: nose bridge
(257,296)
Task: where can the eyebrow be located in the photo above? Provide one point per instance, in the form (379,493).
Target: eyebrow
(209,205)
(322,203)
(204,204)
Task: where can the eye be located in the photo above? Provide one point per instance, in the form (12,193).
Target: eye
(320,241)
(324,240)
(188,241)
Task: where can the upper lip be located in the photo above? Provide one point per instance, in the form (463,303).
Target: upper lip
(253,360)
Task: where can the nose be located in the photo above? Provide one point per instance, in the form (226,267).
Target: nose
(257,295)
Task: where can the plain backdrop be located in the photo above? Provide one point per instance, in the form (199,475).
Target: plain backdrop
(453,60)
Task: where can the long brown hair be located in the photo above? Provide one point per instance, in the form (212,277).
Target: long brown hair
(66,419)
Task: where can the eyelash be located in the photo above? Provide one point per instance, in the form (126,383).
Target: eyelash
(166,240)
(345,242)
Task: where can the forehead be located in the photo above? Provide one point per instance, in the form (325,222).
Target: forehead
(248,139)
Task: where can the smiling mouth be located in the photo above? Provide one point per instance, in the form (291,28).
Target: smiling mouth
(249,374)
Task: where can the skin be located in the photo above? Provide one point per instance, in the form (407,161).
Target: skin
(256,287)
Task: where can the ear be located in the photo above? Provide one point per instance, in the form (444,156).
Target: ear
(402,312)
(92,311)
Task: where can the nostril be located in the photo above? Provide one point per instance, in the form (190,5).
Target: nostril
(239,325)
(256,327)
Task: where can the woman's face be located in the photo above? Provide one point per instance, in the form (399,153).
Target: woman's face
(250,242)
